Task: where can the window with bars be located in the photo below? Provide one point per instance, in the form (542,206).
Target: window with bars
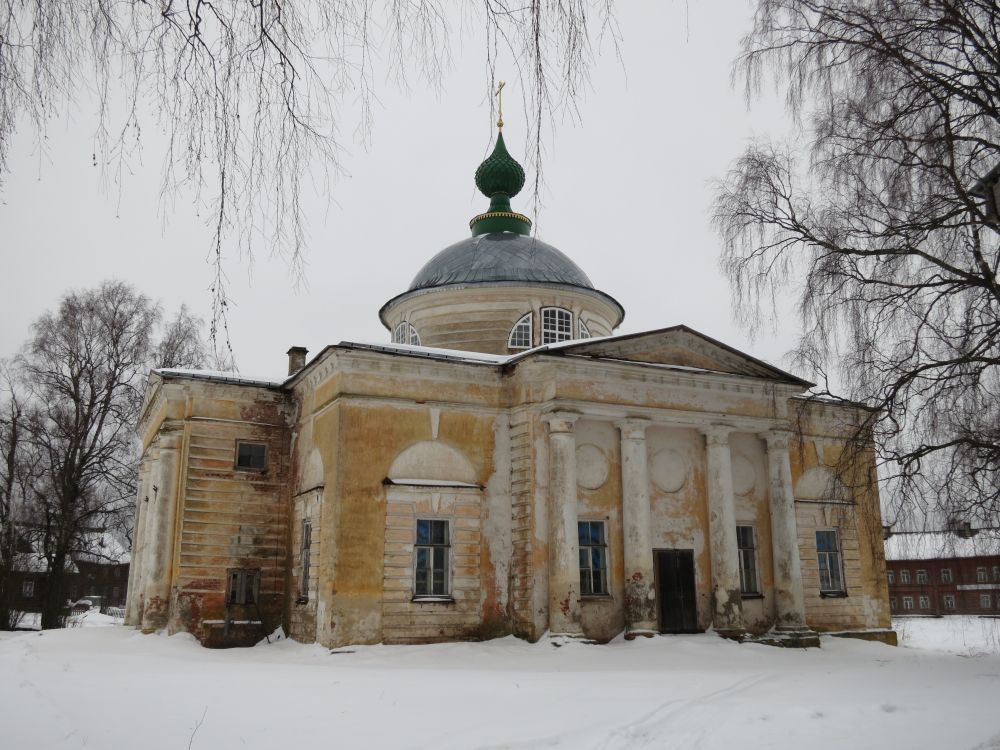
(945,575)
(921,576)
(520,334)
(305,559)
(593,558)
(244,586)
(584,331)
(746,544)
(431,554)
(831,580)
(557,325)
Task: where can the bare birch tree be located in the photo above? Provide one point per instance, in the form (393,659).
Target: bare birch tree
(253,97)
(82,376)
(878,219)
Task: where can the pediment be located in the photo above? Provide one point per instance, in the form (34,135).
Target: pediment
(680,346)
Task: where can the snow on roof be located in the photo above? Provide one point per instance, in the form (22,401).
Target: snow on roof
(932,545)
(429,352)
(220,376)
(35,562)
(103,547)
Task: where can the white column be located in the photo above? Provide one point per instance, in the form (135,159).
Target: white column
(789,601)
(564,555)
(159,562)
(640,589)
(728,602)
(132,591)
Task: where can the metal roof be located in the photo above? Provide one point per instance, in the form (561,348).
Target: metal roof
(502,256)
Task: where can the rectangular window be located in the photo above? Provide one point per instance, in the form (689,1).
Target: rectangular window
(925,602)
(431,554)
(593,558)
(747,547)
(949,601)
(985,601)
(305,555)
(891,576)
(557,325)
(27,589)
(907,602)
(252,456)
(921,576)
(244,586)
(945,575)
(904,576)
(981,575)
(892,602)
(996,572)
(828,557)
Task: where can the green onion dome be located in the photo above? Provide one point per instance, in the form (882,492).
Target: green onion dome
(500,178)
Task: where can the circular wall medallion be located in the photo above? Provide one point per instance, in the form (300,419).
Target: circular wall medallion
(668,470)
(744,475)
(591,467)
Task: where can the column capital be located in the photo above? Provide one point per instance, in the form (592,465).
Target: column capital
(716,434)
(776,439)
(561,421)
(633,428)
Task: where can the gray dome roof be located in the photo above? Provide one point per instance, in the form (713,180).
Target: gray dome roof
(499,257)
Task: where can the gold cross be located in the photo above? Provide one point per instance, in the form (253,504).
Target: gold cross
(500,104)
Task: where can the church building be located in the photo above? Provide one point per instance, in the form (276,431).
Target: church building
(507,464)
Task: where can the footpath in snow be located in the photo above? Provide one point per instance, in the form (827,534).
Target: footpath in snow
(110,687)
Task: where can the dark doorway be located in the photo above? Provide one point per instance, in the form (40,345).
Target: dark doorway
(675,591)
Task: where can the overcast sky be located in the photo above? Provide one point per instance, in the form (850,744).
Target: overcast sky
(628,197)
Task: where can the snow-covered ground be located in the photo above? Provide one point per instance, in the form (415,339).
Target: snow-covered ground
(110,687)
(966,635)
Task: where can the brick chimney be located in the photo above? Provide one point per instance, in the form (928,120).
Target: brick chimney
(296,359)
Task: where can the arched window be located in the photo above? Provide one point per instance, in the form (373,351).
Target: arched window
(557,325)
(584,331)
(520,334)
(404,333)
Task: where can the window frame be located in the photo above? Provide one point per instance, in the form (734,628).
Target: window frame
(904,576)
(921,575)
(558,335)
(528,319)
(588,572)
(981,575)
(892,603)
(740,552)
(432,547)
(256,469)
(986,601)
(924,601)
(907,603)
(28,589)
(305,559)
(242,587)
(838,555)
(946,576)
(948,601)
(405,333)
(890,577)
(582,329)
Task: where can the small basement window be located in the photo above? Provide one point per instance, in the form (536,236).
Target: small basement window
(244,586)
(251,456)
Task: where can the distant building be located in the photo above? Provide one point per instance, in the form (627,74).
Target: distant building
(943,573)
(506,465)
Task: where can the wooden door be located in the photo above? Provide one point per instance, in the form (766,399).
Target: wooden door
(675,591)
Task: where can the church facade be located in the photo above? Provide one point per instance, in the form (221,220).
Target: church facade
(506,465)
